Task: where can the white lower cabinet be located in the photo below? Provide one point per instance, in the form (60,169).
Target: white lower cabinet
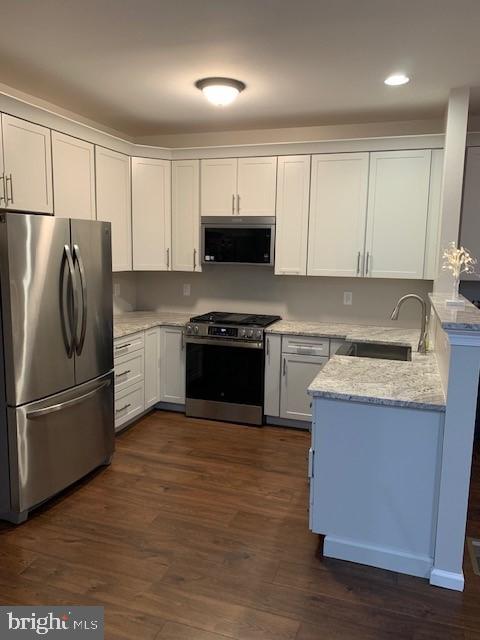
(273,354)
(172,365)
(152,366)
(298,372)
(129,369)
(291,364)
(129,403)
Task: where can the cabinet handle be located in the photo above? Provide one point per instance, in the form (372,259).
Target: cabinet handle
(284,367)
(238,204)
(168,258)
(125,406)
(123,346)
(268,346)
(367,263)
(182,344)
(124,373)
(194,259)
(7,180)
(233,204)
(3,195)
(358,263)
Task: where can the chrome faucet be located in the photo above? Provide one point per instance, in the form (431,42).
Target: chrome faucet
(422,343)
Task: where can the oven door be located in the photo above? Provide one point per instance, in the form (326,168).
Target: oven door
(224,242)
(224,380)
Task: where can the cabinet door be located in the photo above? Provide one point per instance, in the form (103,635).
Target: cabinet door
(257,179)
(298,373)
(338,206)
(218,187)
(186,215)
(470,225)
(432,244)
(293,191)
(152,366)
(73,177)
(397,213)
(151,214)
(114,205)
(28,165)
(172,365)
(273,347)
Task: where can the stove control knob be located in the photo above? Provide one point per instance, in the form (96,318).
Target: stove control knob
(258,334)
(242,333)
(250,333)
(195,329)
(189,329)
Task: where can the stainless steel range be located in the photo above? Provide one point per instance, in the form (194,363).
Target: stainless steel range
(225,366)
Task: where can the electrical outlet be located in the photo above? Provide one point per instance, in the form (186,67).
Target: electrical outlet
(116,289)
(347,297)
(186,289)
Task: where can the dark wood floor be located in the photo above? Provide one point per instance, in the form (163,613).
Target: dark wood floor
(198,531)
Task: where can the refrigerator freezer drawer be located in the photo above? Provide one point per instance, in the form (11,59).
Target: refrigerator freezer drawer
(58,440)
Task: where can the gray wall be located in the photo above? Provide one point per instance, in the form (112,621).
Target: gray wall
(256,289)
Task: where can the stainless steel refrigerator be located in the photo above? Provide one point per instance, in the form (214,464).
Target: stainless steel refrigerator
(56,356)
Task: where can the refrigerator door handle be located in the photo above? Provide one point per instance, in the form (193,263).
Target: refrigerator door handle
(73,284)
(77,256)
(38,413)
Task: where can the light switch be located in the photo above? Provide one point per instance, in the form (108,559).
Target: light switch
(347,297)
(186,289)
(116,289)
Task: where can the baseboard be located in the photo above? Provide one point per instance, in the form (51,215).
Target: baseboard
(170,406)
(447,579)
(380,557)
(284,422)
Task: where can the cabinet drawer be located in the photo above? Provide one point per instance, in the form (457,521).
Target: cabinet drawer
(127,344)
(129,369)
(306,346)
(128,404)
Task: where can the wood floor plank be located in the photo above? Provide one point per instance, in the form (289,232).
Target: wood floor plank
(199,531)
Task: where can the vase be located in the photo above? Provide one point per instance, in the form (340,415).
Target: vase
(456,300)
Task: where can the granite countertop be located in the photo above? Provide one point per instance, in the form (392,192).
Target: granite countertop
(133,321)
(415,384)
(465,318)
(360,333)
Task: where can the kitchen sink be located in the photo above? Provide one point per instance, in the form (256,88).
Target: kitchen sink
(375,350)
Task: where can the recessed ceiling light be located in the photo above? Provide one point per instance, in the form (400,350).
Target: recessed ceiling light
(220,91)
(397,79)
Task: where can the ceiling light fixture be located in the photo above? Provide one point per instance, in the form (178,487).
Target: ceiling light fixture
(397,79)
(220,91)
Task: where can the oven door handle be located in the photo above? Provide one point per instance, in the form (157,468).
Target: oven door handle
(221,342)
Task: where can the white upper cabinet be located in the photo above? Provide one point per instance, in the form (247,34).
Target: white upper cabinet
(432,244)
(256,188)
(114,203)
(243,186)
(338,204)
(151,214)
(186,215)
(397,213)
(293,190)
(73,177)
(218,187)
(27,155)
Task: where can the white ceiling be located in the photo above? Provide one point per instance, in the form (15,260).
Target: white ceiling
(131,64)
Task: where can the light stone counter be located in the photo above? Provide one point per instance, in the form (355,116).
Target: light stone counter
(415,384)
(126,323)
(360,333)
(465,318)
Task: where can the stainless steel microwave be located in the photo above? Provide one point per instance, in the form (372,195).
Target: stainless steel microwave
(233,240)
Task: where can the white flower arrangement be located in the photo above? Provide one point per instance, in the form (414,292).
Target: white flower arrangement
(457,260)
